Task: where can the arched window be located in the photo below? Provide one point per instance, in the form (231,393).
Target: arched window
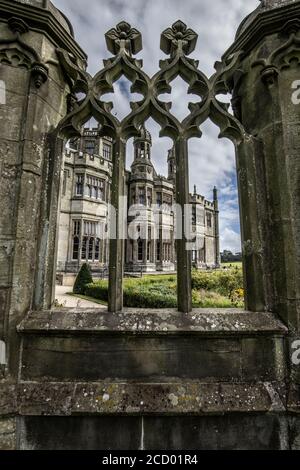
(140,250)
(75,248)
(79,184)
(91,249)
(148,251)
(97,249)
(149,197)
(209,219)
(158,252)
(84,246)
(142,196)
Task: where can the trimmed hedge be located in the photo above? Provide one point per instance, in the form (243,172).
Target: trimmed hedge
(84,277)
(98,290)
(210,289)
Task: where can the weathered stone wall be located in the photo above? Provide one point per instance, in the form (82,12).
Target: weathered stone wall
(33,103)
(264,432)
(268,112)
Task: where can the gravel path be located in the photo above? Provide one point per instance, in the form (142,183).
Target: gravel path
(73,302)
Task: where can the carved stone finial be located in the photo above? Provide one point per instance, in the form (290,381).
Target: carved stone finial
(16,25)
(123,36)
(40,74)
(178,36)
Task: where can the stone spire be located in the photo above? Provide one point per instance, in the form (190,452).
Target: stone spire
(215,194)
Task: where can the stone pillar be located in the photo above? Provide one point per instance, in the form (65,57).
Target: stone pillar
(184,258)
(34,102)
(117,244)
(266,97)
(268,166)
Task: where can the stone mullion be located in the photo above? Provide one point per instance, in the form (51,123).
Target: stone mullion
(184,265)
(117,242)
(252,202)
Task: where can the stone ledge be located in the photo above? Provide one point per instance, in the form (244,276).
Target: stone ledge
(210,322)
(266,22)
(43,21)
(117,398)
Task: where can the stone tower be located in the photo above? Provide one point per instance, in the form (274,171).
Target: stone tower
(172,166)
(216,227)
(142,166)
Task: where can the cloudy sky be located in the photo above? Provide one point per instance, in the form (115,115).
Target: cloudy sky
(212,161)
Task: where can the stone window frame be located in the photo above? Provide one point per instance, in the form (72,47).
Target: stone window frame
(177,42)
(79,184)
(107,151)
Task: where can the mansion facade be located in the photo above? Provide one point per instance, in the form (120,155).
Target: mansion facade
(85,210)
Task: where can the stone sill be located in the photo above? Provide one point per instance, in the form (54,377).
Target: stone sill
(131,398)
(204,322)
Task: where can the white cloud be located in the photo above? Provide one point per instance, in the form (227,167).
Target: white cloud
(212,161)
(231,240)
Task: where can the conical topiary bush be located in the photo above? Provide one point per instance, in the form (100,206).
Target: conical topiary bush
(83,278)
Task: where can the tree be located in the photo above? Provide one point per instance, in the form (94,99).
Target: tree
(83,278)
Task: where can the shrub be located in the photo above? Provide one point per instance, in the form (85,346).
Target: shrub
(219,289)
(97,290)
(209,299)
(83,278)
(223,282)
(137,293)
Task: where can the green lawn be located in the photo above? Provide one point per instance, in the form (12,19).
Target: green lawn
(211,289)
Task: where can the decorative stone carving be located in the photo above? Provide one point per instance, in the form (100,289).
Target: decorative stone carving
(285,56)
(177,42)
(14,51)
(123,36)
(17,25)
(40,74)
